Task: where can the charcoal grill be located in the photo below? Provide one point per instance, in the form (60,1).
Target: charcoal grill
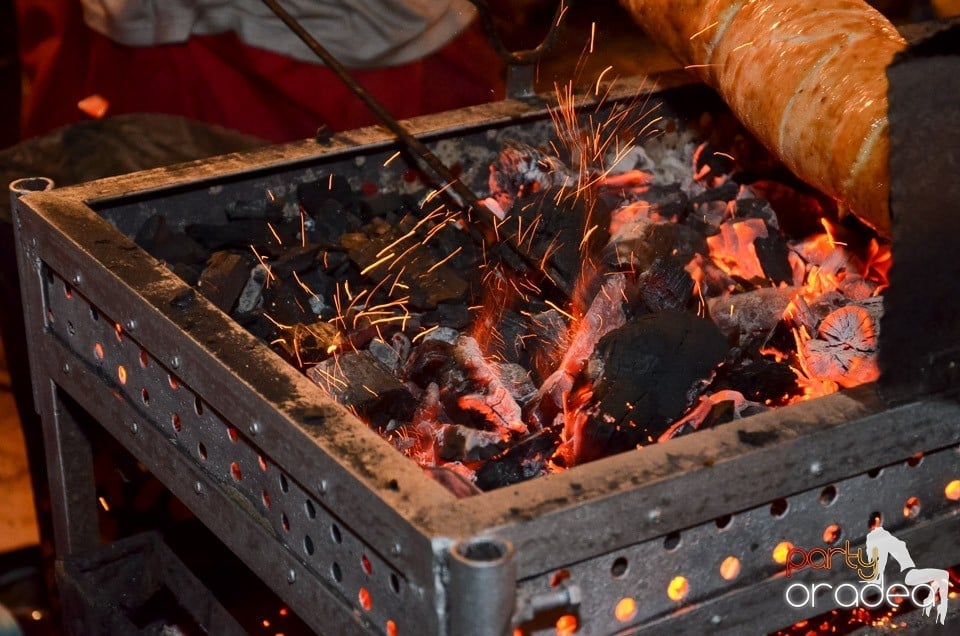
(351,534)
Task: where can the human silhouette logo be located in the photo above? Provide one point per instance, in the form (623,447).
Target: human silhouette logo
(881,545)
(926,587)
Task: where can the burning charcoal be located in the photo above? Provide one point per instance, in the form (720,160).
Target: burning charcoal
(665,285)
(461,443)
(710,166)
(517,380)
(728,191)
(308,343)
(709,280)
(637,245)
(650,370)
(432,362)
(509,336)
(252,295)
(443,334)
(759,380)
(524,460)
(773,254)
(605,315)
(733,250)
(495,403)
(551,225)
(167,246)
(717,408)
(388,354)
(750,314)
(358,380)
(549,329)
(845,350)
(751,208)
(223,279)
(522,169)
(453,481)
(395,256)
(268,208)
(313,194)
(282,303)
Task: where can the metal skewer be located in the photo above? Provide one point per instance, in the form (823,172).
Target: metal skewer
(466,195)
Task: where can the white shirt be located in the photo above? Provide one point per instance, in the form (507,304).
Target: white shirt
(359,33)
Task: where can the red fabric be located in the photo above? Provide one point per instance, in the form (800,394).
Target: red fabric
(220,80)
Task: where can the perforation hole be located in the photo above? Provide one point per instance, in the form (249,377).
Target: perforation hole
(232,434)
(285,521)
(366,601)
(559,577)
(567,625)
(952,490)
(828,495)
(915,460)
(202,450)
(678,588)
(71,329)
(175,420)
(198,405)
(365,565)
(174,383)
(67,291)
(122,374)
(873,473)
(779,507)
(875,520)
(308,545)
(98,350)
(781,552)
(671,541)
(145,397)
(144,358)
(730,568)
(263,462)
(394,583)
(94,314)
(335,533)
(723,521)
(118,330)
(625,610)
(832,534)
(265,498)
(391,628)
(235,471)
(336,572)
(284,485)
(619,567)
(911,508)
(309,509)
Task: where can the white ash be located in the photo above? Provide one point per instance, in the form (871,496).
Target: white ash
(252,295)
(443,334)
(634,159)
(321,307)
(517,381)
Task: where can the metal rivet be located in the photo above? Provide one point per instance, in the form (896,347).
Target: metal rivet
(131,324)
(66,367)
(716,619)
(654,514)
(175,362)
(197,487)
(134,427)
(816,468)
(255,428)
(291,576)
(322,486)
(396,549)
(77,279)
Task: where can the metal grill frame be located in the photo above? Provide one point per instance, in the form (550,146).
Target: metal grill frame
(430,563)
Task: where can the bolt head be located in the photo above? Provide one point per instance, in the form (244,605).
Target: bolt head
(816,468)
(175,362)
(291,576)
(134,428)
(77,279)
(197,487)
(255,428)
(131,324)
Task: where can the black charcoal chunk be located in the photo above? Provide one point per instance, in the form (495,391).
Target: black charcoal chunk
(772,253)
(240,234)
(331,220)
(455,316)
(268,208)
(224,278)
(313,194)
(360,381)
(460,443)
(156,237)
(665,285)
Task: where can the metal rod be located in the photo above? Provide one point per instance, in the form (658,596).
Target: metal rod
(467,196)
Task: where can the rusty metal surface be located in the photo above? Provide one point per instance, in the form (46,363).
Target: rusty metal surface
(336,492)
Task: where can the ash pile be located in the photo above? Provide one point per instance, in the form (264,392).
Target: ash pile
(700,291)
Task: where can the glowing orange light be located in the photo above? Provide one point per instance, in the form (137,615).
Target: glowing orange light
(625,610)
(730,568)
(567,625)
(911,508)
(366,601)
(781,552)
(678,589)
(952,491)
(122,374)
(98,350)
(831,534)
(391,628)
